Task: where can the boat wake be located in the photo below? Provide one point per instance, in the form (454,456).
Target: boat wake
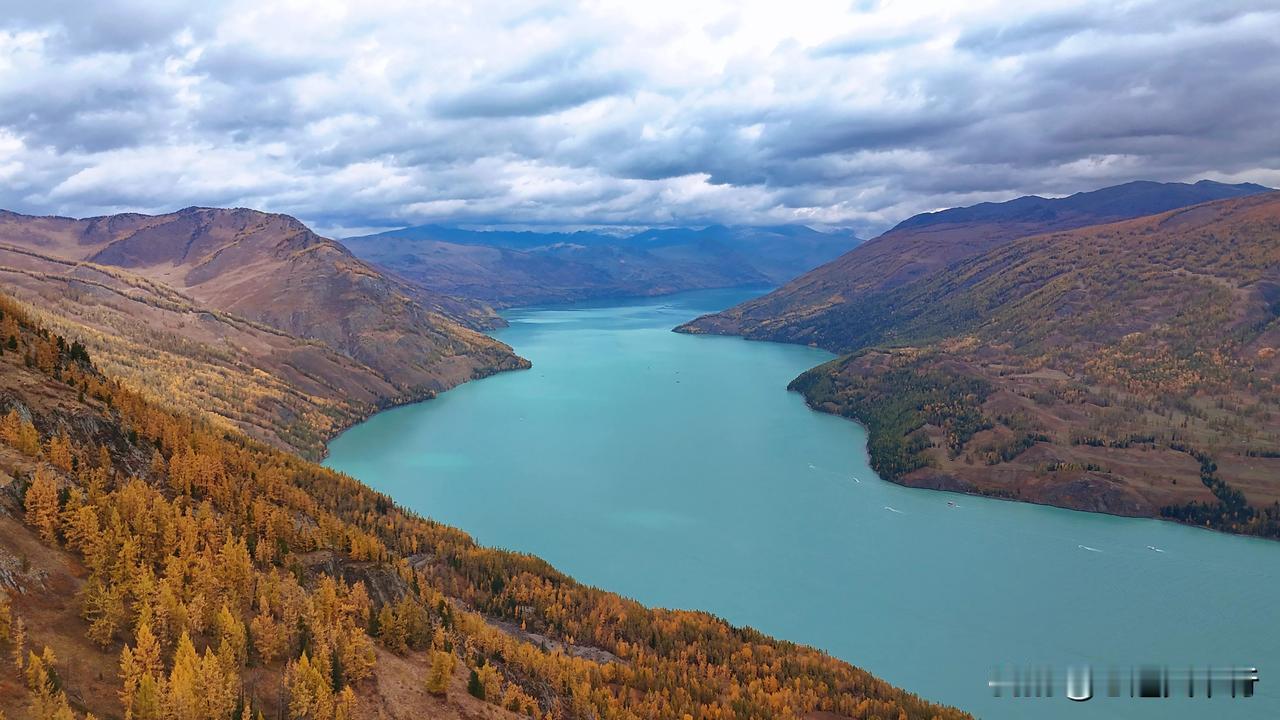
(895,510)
(1153,547)
(1090,549)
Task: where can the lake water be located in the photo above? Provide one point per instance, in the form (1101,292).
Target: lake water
(678,470)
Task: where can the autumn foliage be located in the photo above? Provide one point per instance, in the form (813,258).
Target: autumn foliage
(209,557)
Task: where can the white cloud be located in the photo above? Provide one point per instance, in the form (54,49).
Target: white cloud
(376,114)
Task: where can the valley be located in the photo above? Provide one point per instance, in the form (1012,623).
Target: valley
(678,470)
(157,565)
(562,360)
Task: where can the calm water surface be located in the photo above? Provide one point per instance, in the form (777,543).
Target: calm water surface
(677,469)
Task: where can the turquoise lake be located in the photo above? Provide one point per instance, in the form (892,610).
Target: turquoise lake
(678,470)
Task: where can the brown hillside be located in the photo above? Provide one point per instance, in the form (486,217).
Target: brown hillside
(1129,368)
(811,309)
(250,315)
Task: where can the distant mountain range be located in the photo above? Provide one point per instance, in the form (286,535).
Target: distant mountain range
(815,307)
(1040,350)
(521,268)
(250,315)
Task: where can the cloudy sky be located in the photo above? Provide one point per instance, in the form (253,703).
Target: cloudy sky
(852,114)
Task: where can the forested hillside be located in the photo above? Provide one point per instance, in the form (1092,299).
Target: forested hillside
(1128,368)
(156,565)
(281,333)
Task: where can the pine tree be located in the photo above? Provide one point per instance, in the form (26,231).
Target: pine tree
(181,701)
(474,685)
(440,672)
(19,639)
(20,433)
(59,452)
(140,665)
(268,636)
(104,608)
(42,504)
(6,617)
(48,701)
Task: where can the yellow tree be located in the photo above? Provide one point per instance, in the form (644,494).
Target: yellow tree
(390,631)
(138,663)
(104,608)
(147,700)
(216,688)
(440,672)
(229,631)
(180,699)
(489,680)
(268,636)
(6,617)
(310,696)
(42,504)
(20,433)
(18,637)
(59,451)
(47,701)
(81,527)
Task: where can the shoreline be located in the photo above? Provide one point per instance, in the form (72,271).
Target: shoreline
(411,397)
(960,490)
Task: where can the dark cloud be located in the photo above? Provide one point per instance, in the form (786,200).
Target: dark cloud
(117,26)
(1035,34)
(244,64)
(862,45)
(532,96)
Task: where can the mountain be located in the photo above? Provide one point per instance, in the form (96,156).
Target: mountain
(285,334)
(158,564)
(522,268)
(1130,368)
(815,307)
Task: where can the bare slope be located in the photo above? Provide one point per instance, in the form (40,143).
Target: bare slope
(251,315)
(812,308)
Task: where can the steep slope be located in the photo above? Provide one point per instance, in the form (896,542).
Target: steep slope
(1129,368)
(155,566)
(251,315)
(522,268)
(812,308)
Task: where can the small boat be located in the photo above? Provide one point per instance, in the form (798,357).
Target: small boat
(1090,549)
(952,504)
(1153,547)
(886,507)
(857,481)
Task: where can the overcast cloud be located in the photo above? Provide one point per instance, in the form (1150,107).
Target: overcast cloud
(856,114)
